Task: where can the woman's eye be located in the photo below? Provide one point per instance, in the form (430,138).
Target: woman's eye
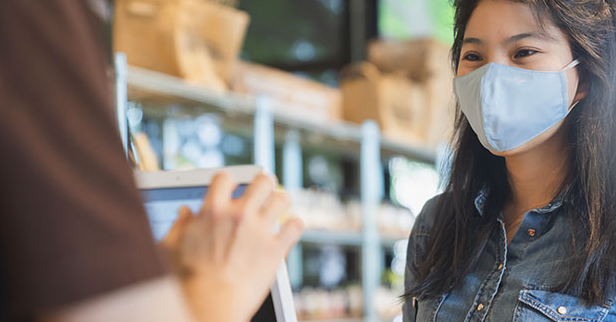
(472,57)
(524,53)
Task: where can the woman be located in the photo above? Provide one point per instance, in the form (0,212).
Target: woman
(526,228)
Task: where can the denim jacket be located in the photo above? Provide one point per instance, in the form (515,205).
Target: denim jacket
(510,282)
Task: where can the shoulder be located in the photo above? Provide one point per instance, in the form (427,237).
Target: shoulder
(419,238)
(426,218)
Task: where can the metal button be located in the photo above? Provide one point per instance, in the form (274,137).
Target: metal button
(562,310)
(479,307)
(500,267)
(531,232)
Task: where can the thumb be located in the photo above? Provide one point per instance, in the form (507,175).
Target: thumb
(289,234)
(174,235)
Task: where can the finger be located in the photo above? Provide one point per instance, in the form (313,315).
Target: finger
(172,238)
(289,234)
(257,193)
(218,196)
(278,205)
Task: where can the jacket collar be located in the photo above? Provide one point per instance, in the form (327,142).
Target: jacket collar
(556,203)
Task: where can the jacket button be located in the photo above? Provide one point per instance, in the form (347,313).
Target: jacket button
(479,307)
(562,310)
(531,232)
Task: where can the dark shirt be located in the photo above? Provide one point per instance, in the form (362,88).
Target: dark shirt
(72,225)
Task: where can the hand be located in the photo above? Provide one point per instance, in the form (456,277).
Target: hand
(227,255)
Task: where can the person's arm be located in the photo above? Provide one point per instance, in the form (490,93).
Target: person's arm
(73,225)
(75,243)
(158,300)
(226,255)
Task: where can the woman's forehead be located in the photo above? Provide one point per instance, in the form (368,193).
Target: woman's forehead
(502,19)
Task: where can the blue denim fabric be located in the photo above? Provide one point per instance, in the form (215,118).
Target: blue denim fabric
(511,282)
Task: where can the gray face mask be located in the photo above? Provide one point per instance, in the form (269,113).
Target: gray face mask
(508,106)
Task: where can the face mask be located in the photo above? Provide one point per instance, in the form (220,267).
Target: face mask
(508,106)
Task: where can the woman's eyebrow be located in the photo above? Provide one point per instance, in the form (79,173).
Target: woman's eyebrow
(476,41)
(526,35)
(512,39)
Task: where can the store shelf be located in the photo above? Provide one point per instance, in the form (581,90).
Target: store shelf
(334,320)
(317,236)
(389,241)
(331,237)
(342,320)
(165,96)
(153,87)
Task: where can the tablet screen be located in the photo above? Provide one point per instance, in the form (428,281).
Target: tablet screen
(266,313)
(162,207)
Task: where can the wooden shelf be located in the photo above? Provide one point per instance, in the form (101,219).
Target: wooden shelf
(334,320)
(156,89)
(322,236)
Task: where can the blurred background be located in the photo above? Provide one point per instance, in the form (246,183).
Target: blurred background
(348,102)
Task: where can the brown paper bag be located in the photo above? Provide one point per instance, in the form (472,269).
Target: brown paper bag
(223,29)
(396,103)
(194,39)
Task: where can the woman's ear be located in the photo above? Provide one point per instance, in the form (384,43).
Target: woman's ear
(583,88)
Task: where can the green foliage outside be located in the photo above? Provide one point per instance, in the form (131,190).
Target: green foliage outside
(405,19)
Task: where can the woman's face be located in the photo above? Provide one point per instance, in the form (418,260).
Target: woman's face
(505,32)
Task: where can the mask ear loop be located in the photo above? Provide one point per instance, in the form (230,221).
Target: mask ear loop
(571,65)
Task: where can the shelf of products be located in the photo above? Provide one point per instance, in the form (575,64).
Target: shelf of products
(331,237)
(363,226)
(163,90)
(330,221)
(334,320)
(342,304)
(354,249)
(327,305)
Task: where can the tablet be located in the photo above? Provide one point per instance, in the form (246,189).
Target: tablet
(165,192)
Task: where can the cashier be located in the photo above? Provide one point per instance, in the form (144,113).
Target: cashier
(75,243)
(526,227)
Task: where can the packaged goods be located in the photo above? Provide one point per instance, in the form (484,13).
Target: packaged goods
(360,89)
(223,29)
(420,59)
(393,100)
(395,222)
(321,304)
(406,87)
(288,93)
(194,39)
(321,210)
(387,303)
(230,3)
(148,161)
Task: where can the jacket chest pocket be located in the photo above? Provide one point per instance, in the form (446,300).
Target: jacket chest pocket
(539,306)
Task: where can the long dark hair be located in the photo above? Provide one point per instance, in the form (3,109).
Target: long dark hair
(459,236)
